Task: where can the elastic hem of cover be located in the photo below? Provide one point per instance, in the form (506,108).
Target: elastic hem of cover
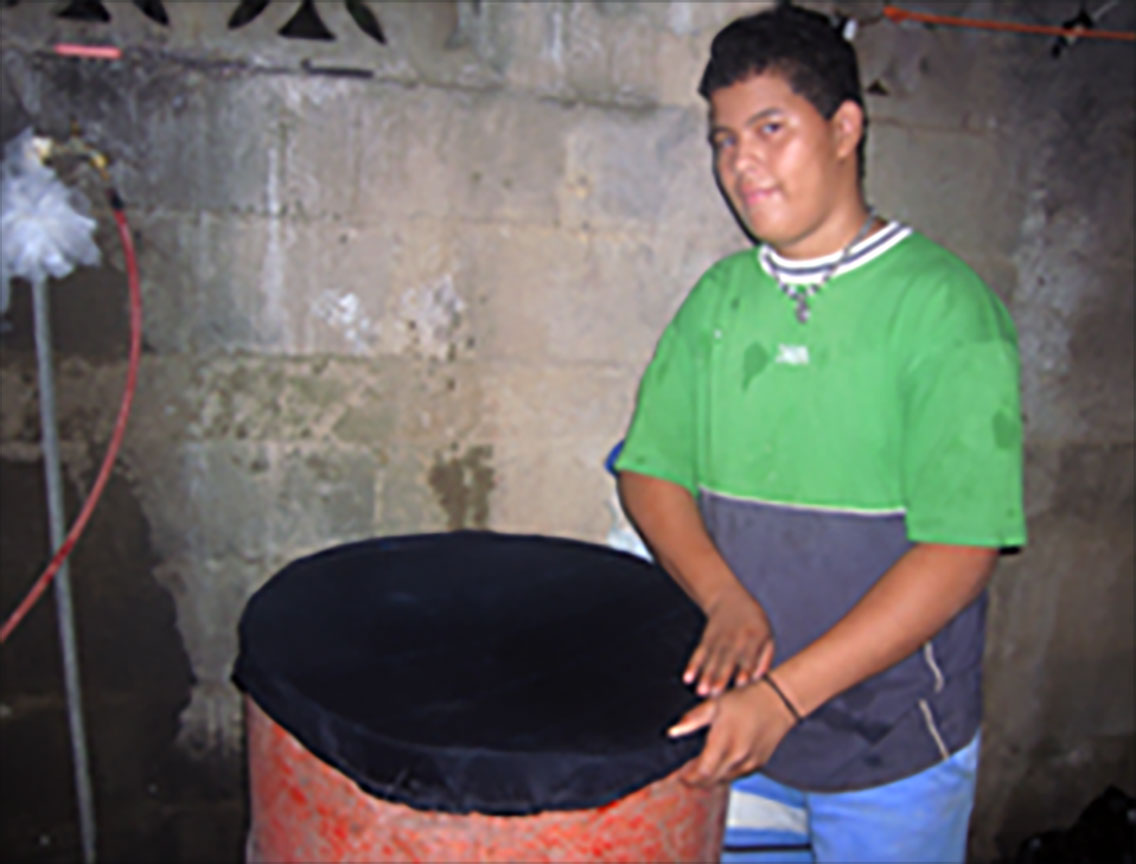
(279,700)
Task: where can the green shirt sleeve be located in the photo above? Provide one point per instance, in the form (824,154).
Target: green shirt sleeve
(660,441)
(962,441)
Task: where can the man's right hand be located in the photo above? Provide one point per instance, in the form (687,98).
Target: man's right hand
(736,645)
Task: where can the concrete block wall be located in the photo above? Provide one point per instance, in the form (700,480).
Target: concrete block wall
(977,145)
(418,297)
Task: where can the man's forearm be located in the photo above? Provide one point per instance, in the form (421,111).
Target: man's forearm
(911,602)
(736,645)
(668,518)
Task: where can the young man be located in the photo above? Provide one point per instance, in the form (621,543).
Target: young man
(826,456)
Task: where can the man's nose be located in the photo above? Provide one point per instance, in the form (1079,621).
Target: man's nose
(746,156)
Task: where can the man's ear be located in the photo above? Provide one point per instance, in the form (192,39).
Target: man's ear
(847,125)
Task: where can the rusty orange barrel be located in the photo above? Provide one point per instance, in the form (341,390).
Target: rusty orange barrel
(471,696)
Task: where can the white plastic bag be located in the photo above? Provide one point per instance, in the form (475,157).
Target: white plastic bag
(622,535)
(43,229)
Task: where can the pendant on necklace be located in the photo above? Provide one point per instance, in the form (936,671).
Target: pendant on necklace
(803,310)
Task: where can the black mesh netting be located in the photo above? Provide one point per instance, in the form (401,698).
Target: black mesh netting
(475,671)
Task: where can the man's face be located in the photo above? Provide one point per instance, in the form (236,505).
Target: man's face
(783,166)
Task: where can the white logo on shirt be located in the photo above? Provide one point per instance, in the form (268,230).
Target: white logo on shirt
(793,355)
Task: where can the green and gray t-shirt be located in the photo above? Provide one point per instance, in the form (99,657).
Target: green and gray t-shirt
(820,452)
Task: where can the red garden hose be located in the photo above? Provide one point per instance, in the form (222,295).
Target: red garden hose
(119,427)
(893,13)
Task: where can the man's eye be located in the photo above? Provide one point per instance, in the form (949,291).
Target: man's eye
(771,128)
(722,143)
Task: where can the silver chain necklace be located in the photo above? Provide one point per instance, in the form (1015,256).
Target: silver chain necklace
(803,294)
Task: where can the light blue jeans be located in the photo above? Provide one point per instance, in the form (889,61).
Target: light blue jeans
(922,818)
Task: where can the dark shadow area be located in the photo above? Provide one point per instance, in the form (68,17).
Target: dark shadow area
(153,802)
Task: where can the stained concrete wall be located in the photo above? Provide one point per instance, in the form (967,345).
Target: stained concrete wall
(421,299)
(1023,163)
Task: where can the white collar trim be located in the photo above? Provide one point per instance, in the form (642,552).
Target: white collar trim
(808,271)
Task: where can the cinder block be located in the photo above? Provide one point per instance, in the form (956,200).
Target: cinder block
(1039,633)
(208,500)
(524,42)
(351,47)
(1096,635)
(286,286)
(680,63)
(461,155)
(336,286)
(255,398)
(609,52)
(213,283)
(443,42)
(542,403)
(212,723)
(210,595)
(913,175)
(634,283)
(1080,481)
(553,486)
(1080,199)
(584,47)
(509,275)
(324,496)
(36,750)
(641,44)
(408,505)
(1000,273)
(638,168)
(200,151)
(1074,326)
(87,399)
(31,671)
(271,285)
(439,404)
(19,421)
(203,28)
(426,312)
(315,158)
(608,317)
(924,83)
(253,500)
(691,18)
(29,23)
(1044,787)
(368,411)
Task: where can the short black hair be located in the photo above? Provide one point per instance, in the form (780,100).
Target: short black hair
(806,48)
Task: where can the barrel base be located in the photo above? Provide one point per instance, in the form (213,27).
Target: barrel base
(304,810)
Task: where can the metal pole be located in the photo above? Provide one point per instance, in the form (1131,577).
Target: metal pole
(64,615)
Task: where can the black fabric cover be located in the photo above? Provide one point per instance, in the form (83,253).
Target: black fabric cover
(475,671)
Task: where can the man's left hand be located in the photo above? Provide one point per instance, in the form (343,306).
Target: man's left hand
(746,725)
